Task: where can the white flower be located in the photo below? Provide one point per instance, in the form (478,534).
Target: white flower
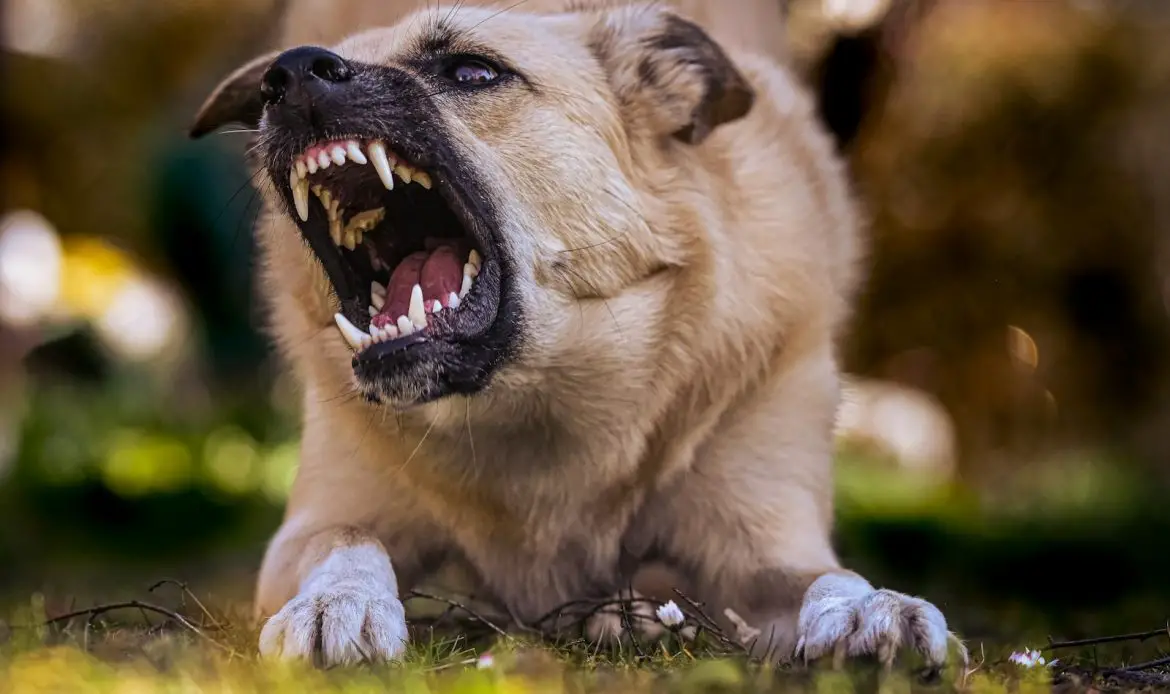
(485,661)
(670,615)
(1029,659)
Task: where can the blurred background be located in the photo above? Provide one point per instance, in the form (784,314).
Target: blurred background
(1004,448)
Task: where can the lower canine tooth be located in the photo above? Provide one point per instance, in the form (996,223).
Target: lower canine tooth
(405,327)
(466,286)
(417,311)
(353,336)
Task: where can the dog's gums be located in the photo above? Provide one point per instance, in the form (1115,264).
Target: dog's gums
(418,263)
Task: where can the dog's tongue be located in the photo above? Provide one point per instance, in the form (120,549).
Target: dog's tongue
(440,272)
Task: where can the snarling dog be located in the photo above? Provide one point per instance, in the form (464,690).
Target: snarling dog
(563,290)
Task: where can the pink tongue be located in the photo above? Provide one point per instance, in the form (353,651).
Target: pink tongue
(440,273)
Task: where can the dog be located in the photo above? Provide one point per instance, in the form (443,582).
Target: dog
(563,289)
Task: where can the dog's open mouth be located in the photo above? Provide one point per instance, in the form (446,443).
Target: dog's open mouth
(397,247)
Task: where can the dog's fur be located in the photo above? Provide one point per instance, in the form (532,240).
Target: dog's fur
(685,251)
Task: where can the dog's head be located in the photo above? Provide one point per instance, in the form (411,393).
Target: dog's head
(446,171)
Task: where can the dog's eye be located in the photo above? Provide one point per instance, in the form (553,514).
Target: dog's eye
(471,72)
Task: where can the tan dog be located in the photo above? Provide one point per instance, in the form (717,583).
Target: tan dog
(563,291)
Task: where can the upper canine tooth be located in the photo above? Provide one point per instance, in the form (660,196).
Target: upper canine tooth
(373,311)
(300,193)
(323,159)
(404,172)
(352,334)
(417,312)
(381,163)
(377,301)
(423,179)
(302,171)
(466,286)
(355,152)
(338,154)
(377,289)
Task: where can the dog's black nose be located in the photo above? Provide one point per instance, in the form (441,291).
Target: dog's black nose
(303,67)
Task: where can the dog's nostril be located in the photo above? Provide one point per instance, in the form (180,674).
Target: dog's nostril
(274,84)
(329,67)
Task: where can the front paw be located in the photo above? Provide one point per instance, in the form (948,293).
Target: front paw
(337,625)
(870,622)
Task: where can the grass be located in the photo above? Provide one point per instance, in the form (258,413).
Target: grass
(1078,565)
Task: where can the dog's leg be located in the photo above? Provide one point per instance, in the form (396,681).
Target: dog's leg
(346,609)
(327,582)
(753,520)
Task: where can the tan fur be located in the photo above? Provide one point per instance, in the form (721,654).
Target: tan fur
(678,383)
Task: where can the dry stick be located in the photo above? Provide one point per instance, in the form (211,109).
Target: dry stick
(1140,666)
(629,626)
(474,615)
(185,591)
(1139,636)
(94,612)
(711,625)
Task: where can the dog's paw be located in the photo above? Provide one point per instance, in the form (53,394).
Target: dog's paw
(341,625)
(871,623)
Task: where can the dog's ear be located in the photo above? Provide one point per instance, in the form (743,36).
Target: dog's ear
(667,73)
(235,100)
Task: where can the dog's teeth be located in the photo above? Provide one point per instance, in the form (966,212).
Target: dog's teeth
(323,159)
(300,193)
(377,289)
(373,311)
(475,260)
(311,164)
(378,334)
(453,300)
(349,239)
(335,233)
(354,150)
(417,310)
(352,334)
(326,197)
(405,327)
(470,270)
(404,172)
(377,302)
(436,307)
(391,332)
(466,286)
(302,171)
(367,341)
(381,163)
(423,179)
(338,155)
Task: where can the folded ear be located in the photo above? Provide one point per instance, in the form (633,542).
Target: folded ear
(668,74)
(236,99)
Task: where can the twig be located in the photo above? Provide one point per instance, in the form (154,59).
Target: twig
(711,625)
(1139,636)
(185,591)
(629,626)
(1140,666)
(473,614)
(94,612)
